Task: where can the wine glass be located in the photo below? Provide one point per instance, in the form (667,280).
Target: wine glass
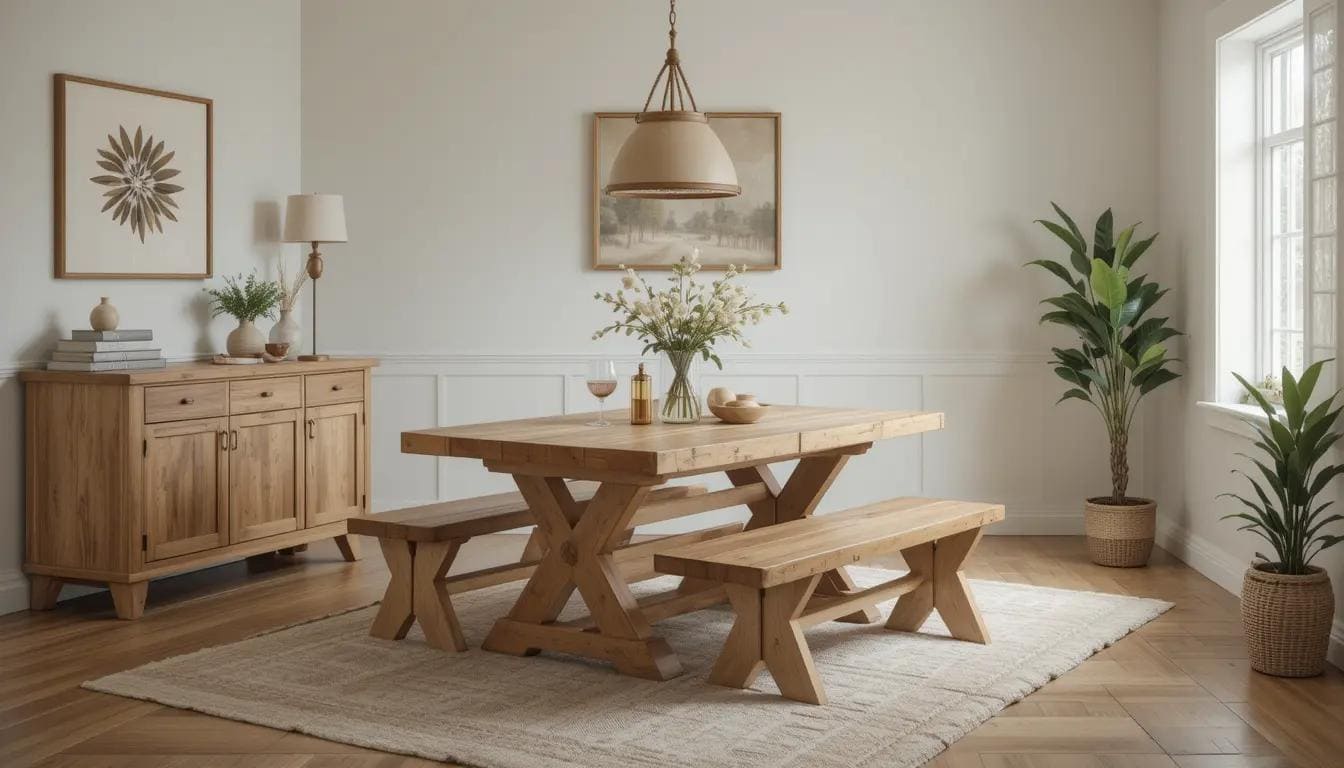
(602,382)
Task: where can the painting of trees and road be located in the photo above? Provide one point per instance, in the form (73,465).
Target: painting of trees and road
(657,233)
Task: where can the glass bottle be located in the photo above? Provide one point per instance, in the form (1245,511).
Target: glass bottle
(641,397)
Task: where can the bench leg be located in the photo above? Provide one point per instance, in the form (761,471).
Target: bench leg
(431,604)
(944,589)
(782,643)
(914,608)
(396,613)
(951,595)
(741,660)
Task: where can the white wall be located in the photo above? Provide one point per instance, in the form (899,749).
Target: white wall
(920,141)
(1196,448)
(244,54)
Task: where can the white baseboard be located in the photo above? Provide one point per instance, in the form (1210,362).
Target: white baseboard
(1227,570)
(13,591)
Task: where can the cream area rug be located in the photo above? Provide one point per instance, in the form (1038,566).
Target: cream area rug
(896,699)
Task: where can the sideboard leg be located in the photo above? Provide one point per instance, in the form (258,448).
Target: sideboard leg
(349,547)
(43,592)
(129,598)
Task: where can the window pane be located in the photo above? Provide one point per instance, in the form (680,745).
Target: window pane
(1297,91)
(1323,95)
(1323,319)
(1285,167)
(1323,38)
(1323,263)
(1323,203)
(1323,149)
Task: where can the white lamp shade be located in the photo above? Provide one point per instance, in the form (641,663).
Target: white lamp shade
(315,219)
(673,155)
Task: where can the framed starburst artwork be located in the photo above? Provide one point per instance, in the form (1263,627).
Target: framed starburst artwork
(133,181)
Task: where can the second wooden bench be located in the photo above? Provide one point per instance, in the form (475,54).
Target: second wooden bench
(770,574)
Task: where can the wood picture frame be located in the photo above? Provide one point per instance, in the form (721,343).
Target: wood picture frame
(134,246)
(715,254)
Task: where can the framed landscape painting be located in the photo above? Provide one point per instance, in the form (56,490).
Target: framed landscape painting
(655,234)
(133,181)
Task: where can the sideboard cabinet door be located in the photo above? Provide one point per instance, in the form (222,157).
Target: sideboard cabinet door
(186,491)
(266,468)
(335,462)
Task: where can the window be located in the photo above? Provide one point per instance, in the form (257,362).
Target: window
(1282,191)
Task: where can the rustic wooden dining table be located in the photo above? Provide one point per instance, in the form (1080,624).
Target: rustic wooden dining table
(585,545)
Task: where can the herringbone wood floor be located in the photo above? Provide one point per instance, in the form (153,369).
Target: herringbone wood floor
(1178,692)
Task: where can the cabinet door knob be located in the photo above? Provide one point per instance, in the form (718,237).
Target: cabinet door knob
(267,393)
(233,440)
(223,440)
(187,400)
(312,429)
(336,387)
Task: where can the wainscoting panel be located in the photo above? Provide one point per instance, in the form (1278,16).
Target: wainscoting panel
(1004,440)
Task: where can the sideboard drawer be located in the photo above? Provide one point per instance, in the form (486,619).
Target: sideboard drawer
(186,401)
(343,387)
(253,395)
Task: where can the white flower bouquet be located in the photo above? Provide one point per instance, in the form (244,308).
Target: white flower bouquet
(684,320)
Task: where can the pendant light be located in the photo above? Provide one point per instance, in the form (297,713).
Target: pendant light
(673,153)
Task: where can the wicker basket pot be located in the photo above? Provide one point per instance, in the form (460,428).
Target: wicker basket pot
(1120,535)
(1287,621)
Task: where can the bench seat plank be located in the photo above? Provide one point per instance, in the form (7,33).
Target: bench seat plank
(457,519)
(787,552)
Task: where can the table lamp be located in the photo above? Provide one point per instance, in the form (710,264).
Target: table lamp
(314,219)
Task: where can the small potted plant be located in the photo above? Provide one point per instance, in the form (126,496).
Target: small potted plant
(1119,360)
(1287,604)
(245,301)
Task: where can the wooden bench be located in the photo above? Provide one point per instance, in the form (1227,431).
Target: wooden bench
(420,544)
(770,574)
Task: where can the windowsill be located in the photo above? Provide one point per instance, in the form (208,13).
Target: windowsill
(1235,418)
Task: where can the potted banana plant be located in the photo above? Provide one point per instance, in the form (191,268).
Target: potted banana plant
(1287,604)
(1120,358)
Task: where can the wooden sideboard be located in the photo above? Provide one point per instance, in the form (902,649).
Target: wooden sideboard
(131,475)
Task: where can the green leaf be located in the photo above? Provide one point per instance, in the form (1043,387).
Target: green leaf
(1058,270)
(1292,401)
(1136,250)
(1080,263)
(1103,239)
(1073,228)
(1159,377)
(1122,244)
(1075,244)
(1074,394)
(1307,383)
(1255,394)
(1108,285)
(1155,352)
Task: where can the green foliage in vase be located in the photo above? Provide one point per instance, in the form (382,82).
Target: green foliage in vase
(1120,357)
(1284,511)
(245,300)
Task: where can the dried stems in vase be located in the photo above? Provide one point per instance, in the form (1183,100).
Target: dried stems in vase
(289,290)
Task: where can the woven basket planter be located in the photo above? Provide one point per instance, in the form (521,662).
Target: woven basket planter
(1287,621)
(1120,536)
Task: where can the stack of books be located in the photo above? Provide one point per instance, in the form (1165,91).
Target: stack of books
(107,351)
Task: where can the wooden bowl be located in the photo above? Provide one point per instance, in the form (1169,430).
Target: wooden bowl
(277,349)
(737,414)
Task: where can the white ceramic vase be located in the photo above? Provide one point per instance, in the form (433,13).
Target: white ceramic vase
(245,340)
(104,317)
(287,331)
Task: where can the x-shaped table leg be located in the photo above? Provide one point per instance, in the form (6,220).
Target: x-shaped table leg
(579,541)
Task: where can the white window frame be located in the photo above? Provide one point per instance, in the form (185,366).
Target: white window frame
(1266,142)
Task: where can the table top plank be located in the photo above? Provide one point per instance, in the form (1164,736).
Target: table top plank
(567,442)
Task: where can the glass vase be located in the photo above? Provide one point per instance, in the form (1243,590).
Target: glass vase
(681,403)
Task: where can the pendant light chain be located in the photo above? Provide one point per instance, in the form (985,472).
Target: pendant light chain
(676,89)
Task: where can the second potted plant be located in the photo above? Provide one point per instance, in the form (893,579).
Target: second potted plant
(1119,359)
(1287,604)
(245,301)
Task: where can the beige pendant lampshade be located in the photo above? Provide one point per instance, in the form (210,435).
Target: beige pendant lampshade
(315,219)
(673,153)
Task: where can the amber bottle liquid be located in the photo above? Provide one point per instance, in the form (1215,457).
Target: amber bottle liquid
(641,397)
